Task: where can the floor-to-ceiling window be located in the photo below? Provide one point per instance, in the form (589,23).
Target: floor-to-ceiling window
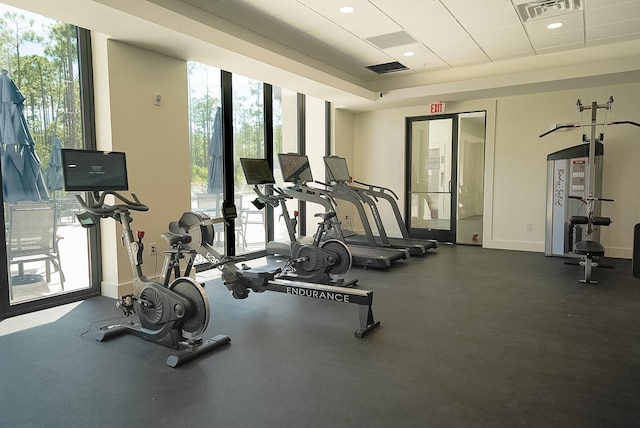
(264,120)
(45,105)
(248,142)
(285,108)
(206,145)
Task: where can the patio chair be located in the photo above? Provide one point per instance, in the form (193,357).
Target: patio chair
(32,237)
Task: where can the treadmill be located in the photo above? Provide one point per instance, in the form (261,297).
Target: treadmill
(296,170)
(337,172)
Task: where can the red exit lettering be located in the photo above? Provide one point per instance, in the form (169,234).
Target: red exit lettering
(436,108)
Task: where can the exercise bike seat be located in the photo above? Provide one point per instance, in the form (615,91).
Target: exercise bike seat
(176,238)
(325,216)
(589,248)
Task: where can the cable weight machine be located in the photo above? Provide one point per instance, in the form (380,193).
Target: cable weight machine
(575,174)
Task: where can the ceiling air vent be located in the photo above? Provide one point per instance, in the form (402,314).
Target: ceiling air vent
(532,10)
(389,67)
(391,40)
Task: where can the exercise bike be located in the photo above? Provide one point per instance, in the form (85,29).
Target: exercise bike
(173,313)
(322,260)
(587,247)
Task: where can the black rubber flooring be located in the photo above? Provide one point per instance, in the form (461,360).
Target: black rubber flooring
(469,337)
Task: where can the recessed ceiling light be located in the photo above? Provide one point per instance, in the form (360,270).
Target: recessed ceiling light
(347,9)
(555,25)
(409,53)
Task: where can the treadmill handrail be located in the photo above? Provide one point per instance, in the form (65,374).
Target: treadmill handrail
(379,189)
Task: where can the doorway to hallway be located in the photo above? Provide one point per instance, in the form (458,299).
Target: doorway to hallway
(444,177)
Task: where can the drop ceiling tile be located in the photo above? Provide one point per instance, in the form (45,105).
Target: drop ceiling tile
(559,48)
(422,59)
(424,15)
(564,38)
(455,50)
(302,20)
(629,29)
(370,26)
(232,12)
(503,41)
(333,35)
(615,39)
(390,5)
(271,30)
(617,13)
(476,8)
(596,4)
(491,19)
(389,40)
(331,9)
(201,3)
(271,8)
(341,41)
(538,28)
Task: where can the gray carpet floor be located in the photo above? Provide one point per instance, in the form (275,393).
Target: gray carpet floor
(469,337)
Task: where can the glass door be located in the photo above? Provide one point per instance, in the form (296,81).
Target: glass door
(431,158)
(445,159)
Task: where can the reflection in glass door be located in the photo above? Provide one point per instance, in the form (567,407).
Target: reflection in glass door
(432,162)
(445,156)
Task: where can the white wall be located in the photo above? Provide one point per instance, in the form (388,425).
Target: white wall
(515,161)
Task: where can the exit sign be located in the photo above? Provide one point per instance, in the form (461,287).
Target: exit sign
(436,108)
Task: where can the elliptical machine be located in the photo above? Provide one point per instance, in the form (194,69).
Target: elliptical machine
(171,314)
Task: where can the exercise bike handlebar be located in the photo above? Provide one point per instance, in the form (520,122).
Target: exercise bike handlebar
(278,196)
(100,208)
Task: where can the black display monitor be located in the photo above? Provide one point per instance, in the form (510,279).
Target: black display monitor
(295,168)
(337,169)
(92,170)
(257,171)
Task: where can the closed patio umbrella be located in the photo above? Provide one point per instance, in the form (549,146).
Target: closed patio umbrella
(53,176)
(215,156)
(22,177)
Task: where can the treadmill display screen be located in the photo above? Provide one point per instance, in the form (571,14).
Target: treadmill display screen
(257,171)
(92,170)
(295,168)
(337,169)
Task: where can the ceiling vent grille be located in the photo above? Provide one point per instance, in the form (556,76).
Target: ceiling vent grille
(547,8)
(389,67)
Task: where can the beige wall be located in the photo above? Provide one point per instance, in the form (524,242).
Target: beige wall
(156,141)
(515,162)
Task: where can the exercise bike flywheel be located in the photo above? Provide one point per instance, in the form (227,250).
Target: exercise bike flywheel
(343,264)
(198,322)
